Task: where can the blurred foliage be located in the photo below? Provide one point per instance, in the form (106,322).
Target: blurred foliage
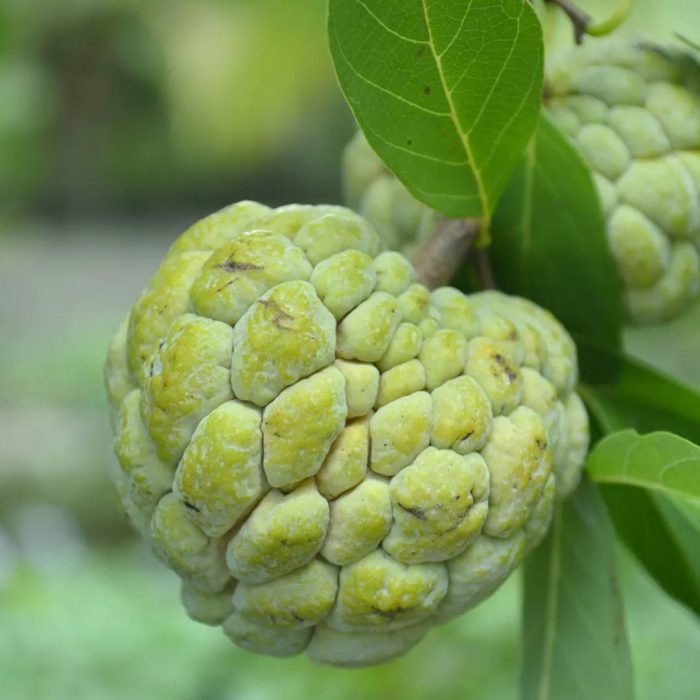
(114,104)
(672,347)
(112,627)
(103,625)
(119,105)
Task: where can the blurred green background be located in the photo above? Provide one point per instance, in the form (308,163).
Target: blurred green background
(121,122)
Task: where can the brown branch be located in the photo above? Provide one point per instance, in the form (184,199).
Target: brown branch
(439,257)
(579,19)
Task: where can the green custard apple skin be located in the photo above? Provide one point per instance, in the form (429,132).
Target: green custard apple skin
(331,457)
(635,117)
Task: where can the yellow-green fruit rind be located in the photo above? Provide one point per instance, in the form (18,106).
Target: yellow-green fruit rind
(636,121)
(187,377)
(196,558)
(118,381)
(282,534)
(358,649)
(345,465)
(220,475)
(331,457)
(265,639)
(242,270)
(359,522)
(146,478)
(291,454)
(284,336)
(377,592)
(299,599)
(209,609)
(440,503)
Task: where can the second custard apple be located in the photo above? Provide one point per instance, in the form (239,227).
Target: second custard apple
(634,114)
(331,457)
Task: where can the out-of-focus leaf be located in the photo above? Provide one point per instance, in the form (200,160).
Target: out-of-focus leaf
(549,241)
(660,462)
(574,640)
(651,484)
(632,394)
(677,357)
(447,93)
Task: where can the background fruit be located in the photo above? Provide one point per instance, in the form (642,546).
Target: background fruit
(330,456)
(634,113)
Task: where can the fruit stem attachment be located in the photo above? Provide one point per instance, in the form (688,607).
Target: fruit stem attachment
(439,257)
(583,23)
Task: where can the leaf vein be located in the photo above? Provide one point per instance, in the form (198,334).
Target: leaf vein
(381,88)
(387,28)
(464,138)
(459,30)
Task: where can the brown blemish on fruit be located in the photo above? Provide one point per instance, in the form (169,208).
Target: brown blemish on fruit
(280,314)
(392,613)
(231,265)
(415,512)
(510,373)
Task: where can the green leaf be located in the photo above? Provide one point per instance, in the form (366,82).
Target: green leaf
(447,93)
(651,484)
(678,357)
(632,394)
(549,241)
(659,461)
(574,640)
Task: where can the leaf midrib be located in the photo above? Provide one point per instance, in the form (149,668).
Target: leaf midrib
(463,136)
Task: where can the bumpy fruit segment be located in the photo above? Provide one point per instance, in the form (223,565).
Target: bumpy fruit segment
(636,121)
(331,457)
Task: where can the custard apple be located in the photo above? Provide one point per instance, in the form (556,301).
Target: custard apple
(635,117)
(331,457)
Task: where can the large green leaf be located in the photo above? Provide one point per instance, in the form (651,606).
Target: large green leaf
(651,484)
(574,641)
(549,241)
(623,392)
(447,93)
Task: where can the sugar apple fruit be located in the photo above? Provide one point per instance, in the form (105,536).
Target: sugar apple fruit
(635,118)
(330,456)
